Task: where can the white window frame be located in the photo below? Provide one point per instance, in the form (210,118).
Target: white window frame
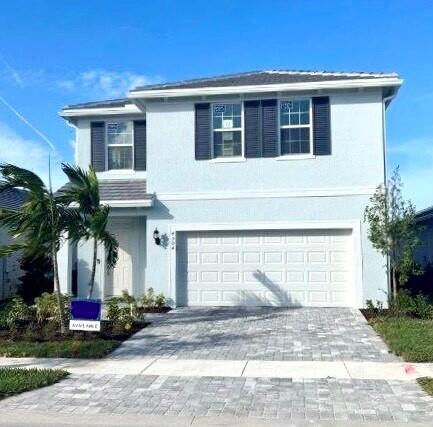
(293,156)
(228,159)
(119,145)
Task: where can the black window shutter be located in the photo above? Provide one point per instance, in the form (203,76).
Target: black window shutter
(97,138)
(270,128)
(253,129)
(203,134)
(140,145)
(321,126)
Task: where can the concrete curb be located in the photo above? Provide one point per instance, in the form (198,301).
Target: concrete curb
(16,418)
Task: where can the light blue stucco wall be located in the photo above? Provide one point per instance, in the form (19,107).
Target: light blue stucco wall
(339,185)
(282,210)
(356,160)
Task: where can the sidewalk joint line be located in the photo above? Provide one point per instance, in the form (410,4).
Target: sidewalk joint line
(347,369)
(245,367)
(147,367)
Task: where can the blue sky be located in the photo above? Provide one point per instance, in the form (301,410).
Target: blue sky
(54,53)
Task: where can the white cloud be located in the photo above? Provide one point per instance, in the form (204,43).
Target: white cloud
(29,154)
(417,148)
(416,168)
(108,84)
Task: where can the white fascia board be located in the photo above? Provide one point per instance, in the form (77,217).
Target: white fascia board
(146,203)
(85,112)
(293,87)
(238,195)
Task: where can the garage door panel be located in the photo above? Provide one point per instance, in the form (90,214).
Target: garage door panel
(268,267)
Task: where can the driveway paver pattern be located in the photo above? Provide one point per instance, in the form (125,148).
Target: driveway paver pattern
(317,334)
(284,399)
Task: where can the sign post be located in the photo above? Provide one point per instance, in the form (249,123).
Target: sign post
(85,315)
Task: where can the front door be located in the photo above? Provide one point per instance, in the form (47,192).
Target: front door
(122,276)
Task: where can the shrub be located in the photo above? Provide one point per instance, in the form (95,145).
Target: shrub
(404,304)
(422,307)
(47,308)
(160,301)
(16,311)
(120,314)
(374,309)
(401,305)
(37,277)
(148,298)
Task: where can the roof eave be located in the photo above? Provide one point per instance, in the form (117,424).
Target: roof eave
(293,87)
(68,113)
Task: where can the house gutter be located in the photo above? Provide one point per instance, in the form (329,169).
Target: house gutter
(385,102)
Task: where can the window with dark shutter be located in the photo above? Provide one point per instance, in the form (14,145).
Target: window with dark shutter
(261,128)
(203,136)
(321,126)
(270,128)
(97,138)
(140,145)
(253,129)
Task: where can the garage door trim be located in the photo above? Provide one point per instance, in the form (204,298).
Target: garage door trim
(354,226)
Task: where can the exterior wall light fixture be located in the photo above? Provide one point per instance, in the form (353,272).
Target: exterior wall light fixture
(156,237)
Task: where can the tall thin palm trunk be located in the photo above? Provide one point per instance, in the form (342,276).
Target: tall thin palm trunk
(57,288)
(92,277)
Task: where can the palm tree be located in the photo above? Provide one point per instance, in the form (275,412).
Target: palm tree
(39,224)
(83,191)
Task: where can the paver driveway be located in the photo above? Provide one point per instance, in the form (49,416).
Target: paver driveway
(318,334)
(241,334)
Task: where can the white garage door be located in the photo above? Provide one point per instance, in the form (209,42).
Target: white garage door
(270,267)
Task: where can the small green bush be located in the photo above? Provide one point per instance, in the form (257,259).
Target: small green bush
(47,307)
(148,298)
(406,304)
(160,301)
(17,311)
(374,309)
(422,307)
(120,313)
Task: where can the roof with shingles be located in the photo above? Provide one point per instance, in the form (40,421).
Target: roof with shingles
(264,77)
(424,214)
(12,198)
(267,77)
(109,103)
(120,190)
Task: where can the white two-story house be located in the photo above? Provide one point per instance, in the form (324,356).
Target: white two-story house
(239,190)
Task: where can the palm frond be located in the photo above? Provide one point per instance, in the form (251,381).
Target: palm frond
(16,177)
(83,188)
(111,246)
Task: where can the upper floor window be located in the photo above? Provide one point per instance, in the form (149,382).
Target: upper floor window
(295,126)
(120,144)
(227,129)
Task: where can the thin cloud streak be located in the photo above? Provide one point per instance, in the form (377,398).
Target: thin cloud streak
(24,120)
(17,150)
(14,73)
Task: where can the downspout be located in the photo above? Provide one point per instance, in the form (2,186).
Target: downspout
(385,165)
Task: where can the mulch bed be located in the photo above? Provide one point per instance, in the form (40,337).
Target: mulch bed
(49,332)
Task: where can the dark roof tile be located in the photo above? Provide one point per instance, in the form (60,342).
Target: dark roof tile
(264,78)
(110,103)
(119,190)
(12,198)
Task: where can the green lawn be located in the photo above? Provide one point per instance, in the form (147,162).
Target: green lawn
(14,380)
(91,349)
(407,337)
(427,384)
